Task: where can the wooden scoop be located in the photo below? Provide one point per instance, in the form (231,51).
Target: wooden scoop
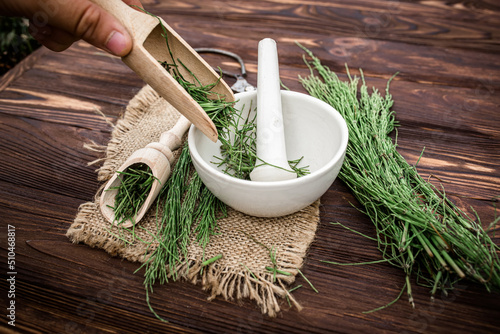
(149,47)
(158,156)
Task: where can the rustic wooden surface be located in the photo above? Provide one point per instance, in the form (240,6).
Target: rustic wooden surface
(446,98)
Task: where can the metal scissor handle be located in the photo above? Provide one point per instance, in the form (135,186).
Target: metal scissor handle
(241,84)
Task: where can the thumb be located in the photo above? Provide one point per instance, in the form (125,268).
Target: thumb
(85,20)
(101,29)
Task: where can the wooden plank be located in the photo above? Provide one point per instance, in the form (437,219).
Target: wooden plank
(33,156)
(427,23)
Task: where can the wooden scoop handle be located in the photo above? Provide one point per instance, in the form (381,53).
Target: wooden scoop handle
(171,139)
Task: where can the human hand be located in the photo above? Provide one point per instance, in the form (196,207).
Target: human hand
(59,23)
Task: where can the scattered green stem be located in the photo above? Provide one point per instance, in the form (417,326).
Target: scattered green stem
(308,282)
(388,304)
(211,260)
(295,288)
(277,271)
(251,273)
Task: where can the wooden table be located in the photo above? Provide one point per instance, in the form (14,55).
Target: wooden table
(446,99)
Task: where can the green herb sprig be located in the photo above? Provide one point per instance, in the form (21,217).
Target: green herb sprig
(239,147)
(15,42)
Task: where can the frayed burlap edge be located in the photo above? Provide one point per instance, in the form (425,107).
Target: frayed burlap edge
(237,283)
(232,282)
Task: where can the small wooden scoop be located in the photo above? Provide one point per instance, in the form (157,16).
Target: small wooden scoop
(149,47)
(158,156)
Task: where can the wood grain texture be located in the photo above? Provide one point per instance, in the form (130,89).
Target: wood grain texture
(446,101)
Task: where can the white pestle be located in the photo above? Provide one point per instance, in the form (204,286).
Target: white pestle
(271,146)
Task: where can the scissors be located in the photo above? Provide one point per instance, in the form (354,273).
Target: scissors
(241,84)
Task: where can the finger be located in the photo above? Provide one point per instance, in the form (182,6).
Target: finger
(86,20)
(101,29)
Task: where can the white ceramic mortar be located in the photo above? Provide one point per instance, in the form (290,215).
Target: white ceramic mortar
(313,129)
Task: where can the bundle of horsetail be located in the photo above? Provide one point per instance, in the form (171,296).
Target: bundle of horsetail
(135,184)
(417,227)
(186,199)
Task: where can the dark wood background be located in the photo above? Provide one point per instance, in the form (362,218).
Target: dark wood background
(446,99)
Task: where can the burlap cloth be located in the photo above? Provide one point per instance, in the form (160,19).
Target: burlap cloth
(244,260)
